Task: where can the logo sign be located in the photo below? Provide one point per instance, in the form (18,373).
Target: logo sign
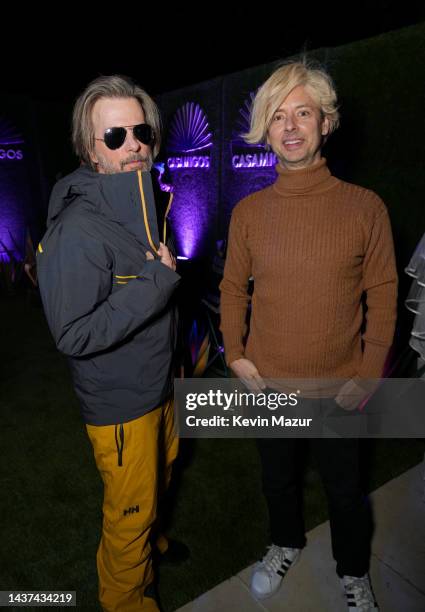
(190,138)
(259,159)
(131,510)
(7,153)
(244,155)
(10,141)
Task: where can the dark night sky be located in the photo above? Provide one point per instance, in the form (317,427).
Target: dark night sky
(163,56)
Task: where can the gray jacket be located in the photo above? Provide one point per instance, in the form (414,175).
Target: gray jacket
(109,309)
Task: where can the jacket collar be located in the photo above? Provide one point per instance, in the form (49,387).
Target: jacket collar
(125,197)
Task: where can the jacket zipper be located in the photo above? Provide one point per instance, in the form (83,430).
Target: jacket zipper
(145,215)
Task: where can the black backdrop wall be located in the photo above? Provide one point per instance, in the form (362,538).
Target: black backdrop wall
(379,145)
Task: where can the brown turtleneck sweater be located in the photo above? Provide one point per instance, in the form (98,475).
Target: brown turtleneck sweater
(313,244)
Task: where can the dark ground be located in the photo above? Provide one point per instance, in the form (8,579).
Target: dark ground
(51,494)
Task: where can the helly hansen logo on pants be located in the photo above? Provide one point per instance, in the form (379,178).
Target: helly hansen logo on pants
(131,510)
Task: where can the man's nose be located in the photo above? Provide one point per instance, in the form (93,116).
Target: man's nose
(131,142)
(290,123)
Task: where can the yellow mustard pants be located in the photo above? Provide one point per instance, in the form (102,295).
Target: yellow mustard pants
(127,457)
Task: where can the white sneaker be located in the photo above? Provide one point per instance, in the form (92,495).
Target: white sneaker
(359,594)
(268,573)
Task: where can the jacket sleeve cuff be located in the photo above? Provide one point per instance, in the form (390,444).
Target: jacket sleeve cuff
(157,266)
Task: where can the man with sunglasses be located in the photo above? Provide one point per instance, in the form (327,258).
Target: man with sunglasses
(107,281)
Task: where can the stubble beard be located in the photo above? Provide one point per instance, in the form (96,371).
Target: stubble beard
(109,168)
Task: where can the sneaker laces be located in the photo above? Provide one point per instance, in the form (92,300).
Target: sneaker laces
(361,590)
(274,557)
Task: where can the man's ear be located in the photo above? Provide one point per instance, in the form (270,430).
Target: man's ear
(325,126)
(93,157)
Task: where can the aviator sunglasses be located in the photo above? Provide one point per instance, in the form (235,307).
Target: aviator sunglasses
(114,137)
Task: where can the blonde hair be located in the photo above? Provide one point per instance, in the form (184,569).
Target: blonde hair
(115,86)
(280,84)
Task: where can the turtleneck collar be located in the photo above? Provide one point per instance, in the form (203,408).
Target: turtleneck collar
(307,181)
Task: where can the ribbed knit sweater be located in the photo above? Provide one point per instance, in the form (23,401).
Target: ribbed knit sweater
(313,244)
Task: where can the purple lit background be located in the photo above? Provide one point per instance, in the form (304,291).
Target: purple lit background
(207,119)
(14,201)
(194,211)
(14,195)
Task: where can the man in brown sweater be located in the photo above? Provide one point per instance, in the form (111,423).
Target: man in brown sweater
(314,246)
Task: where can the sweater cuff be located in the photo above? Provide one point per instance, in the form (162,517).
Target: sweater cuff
(234,354)
(373,361)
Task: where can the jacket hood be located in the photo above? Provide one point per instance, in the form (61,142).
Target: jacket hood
(79,182)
